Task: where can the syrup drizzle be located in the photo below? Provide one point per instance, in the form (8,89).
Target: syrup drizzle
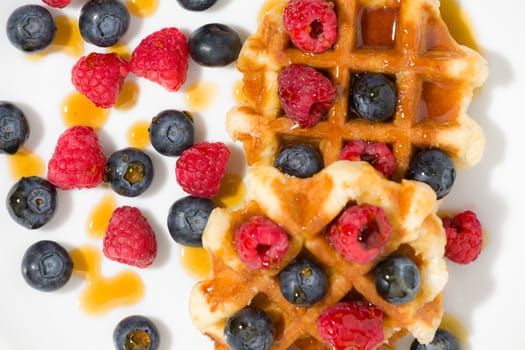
(79,110)
(200,95)
(138,134)
(142,8)
(103,294)
(25,163)
(99,217)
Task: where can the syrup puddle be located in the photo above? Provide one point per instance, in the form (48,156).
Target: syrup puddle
(25,163)
(99,217)
(79,110)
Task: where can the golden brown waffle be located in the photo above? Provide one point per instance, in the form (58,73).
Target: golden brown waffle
(304,207)
(405,39)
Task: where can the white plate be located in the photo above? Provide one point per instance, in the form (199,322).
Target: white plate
(485,296)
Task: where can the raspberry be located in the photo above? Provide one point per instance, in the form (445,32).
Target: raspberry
(261,243)
(464,237)
(305,94)
(311,24)
(78,160)
(57,3)
(200,168)
(162,57)
(352,325)
(360,232)
(129,238)
(99,77)
(376,153)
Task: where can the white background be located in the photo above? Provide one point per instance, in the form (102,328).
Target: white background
(486,295)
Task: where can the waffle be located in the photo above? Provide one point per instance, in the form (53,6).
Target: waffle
(404,39)
(304,207)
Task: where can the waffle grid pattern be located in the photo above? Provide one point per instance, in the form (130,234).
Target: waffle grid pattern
(435,79)
(417,233)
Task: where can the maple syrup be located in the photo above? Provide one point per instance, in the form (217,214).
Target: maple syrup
(195,261)
(200,95)
(102,294)
(128,97)
(269,5)
(122,50)
(238,92)
(231,192)
(377,27)
(142,8)
(458,23)
(454,325)
(138,134)
(79,110)
(67,39)
(99,217)
(25,163)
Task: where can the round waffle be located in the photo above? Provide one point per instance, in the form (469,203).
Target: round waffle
(304,207)
(404,39)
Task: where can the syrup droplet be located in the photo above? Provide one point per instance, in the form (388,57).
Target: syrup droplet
(231,192)
(25,163)
(200,95)
(269,5)
(99,217)
(79,110)
(103,294)
(122,50)
(458,23)
(129,95)
(454,325)
(142,8)
(195,261)
(67,39)
(238,92)
(138,135)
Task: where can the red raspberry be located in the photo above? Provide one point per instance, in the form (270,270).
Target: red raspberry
(129,238)
(305,94)
(464,237)
(99,77)
(200,168)
(261,243)
(311,24)
(360,232)
(57,3)
(352,325)
(162,57)
(378,154)
(78,160)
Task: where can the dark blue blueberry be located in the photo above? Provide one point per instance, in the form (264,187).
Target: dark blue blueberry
(249,329)
(31,28)
(32,201)
(196,5)
(443,340)
(14,128)
(129,172)
(171,132)
(303,282)
(374,96)
(46,266)
(103,22)
(214,45)
(187,219)
(435,168)
(136,332)
(397,279)
(299,160)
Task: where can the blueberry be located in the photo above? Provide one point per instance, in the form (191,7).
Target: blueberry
(299,160)
(397,279)
(103,22)
(32,201)
(31,28)
(249,329)
(435,168)
(187,219)
(14,128)
(129,172)
(46,266)
(171,132)
(136,332)
(196,5)
(303,282)
(214,45)
(374,96)
(443,340)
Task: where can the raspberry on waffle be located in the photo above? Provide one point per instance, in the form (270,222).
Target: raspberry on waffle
(304,208)
(404,39)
